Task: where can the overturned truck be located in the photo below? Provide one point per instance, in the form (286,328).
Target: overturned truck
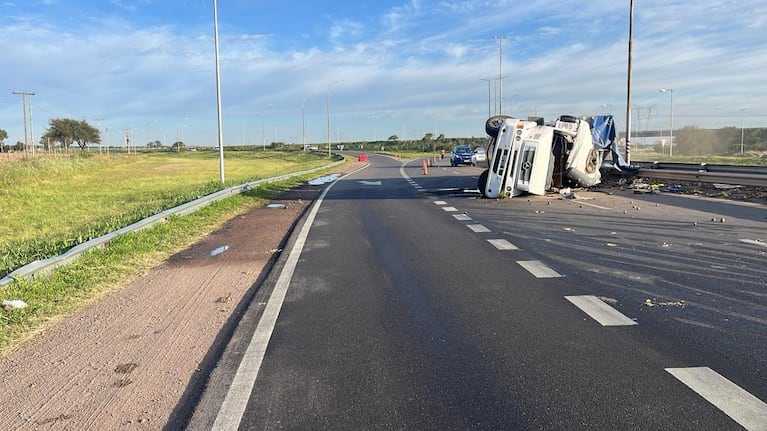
(532,157)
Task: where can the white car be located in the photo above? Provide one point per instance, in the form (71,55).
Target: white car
(479,155)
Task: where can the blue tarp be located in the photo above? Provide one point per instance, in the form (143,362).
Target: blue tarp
(603,136)
(603,131)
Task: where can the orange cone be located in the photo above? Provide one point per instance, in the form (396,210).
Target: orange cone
(425,168)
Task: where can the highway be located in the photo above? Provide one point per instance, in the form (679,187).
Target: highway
(400,305)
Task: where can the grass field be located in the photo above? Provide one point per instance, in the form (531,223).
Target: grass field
(52,204)
(118,188)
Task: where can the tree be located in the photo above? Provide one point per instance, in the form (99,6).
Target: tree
(393,138)
(178,146)
(427,137)
(68,131)
(3,137)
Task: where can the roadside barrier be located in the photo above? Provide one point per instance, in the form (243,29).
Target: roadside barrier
(46,266)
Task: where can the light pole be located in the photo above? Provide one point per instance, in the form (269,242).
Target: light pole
(500,72)
(218,98)
(488,96)
(327,106)
(628,82)
(741,131)
(670,91)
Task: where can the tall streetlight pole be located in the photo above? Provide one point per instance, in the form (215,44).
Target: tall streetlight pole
(488,96)
(741,131)
(670,91)
(500,72)
(218,99)
(628,83)
(327,106)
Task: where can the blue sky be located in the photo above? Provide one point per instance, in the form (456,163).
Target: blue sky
(390,67)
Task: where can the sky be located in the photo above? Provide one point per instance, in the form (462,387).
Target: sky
(379,68)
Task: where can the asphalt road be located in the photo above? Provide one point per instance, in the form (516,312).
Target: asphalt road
(408,306)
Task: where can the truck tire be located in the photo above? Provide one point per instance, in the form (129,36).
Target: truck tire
(493,124)
(482,183)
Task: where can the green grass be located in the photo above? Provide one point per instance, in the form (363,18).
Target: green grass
(100,271)
(52,204)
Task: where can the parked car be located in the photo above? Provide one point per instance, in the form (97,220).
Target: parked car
(479,155)
(461,154)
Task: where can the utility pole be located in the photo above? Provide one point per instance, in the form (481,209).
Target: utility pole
(24,95)
(500,72)
(628,83)
(98,126)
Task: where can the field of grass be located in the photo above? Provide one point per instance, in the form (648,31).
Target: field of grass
(52,204)
(102,270)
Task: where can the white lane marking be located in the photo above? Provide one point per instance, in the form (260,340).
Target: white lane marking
(538,269)
(477,228)
(502,244)
(450,209)
(747,410)
(462,217)
(599,311)
(440,202)
(369,183)
(754,242)
(233,407)
(593,205)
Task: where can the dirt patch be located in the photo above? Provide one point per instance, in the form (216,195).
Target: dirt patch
(125,361)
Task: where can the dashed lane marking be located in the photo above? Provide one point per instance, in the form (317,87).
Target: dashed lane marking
(599,311)
(502,244)
(747,410)
(538,269)
(440,202)
(478,228)
(450,209)
(462,217)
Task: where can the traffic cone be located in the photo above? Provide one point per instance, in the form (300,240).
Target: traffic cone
(425,168)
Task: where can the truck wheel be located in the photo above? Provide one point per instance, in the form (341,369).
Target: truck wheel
(482,183)
(493,124)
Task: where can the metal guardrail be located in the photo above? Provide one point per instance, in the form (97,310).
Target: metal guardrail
(704,172)
(47,265)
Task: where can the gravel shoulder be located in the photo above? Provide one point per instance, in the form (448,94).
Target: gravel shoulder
(125,362)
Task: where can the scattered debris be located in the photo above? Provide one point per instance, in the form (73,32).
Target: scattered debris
(726,186)
(607,299)
(568,229)
(219,250)
(126,368)
(224,299)
(14,304)
(651,303)
(610,244)
(276,206)
(664,244)
(324,180)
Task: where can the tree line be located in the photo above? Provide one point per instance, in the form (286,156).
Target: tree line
(688,141)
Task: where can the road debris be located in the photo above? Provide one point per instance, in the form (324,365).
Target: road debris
(14,304)
(273,206)
(219,250)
